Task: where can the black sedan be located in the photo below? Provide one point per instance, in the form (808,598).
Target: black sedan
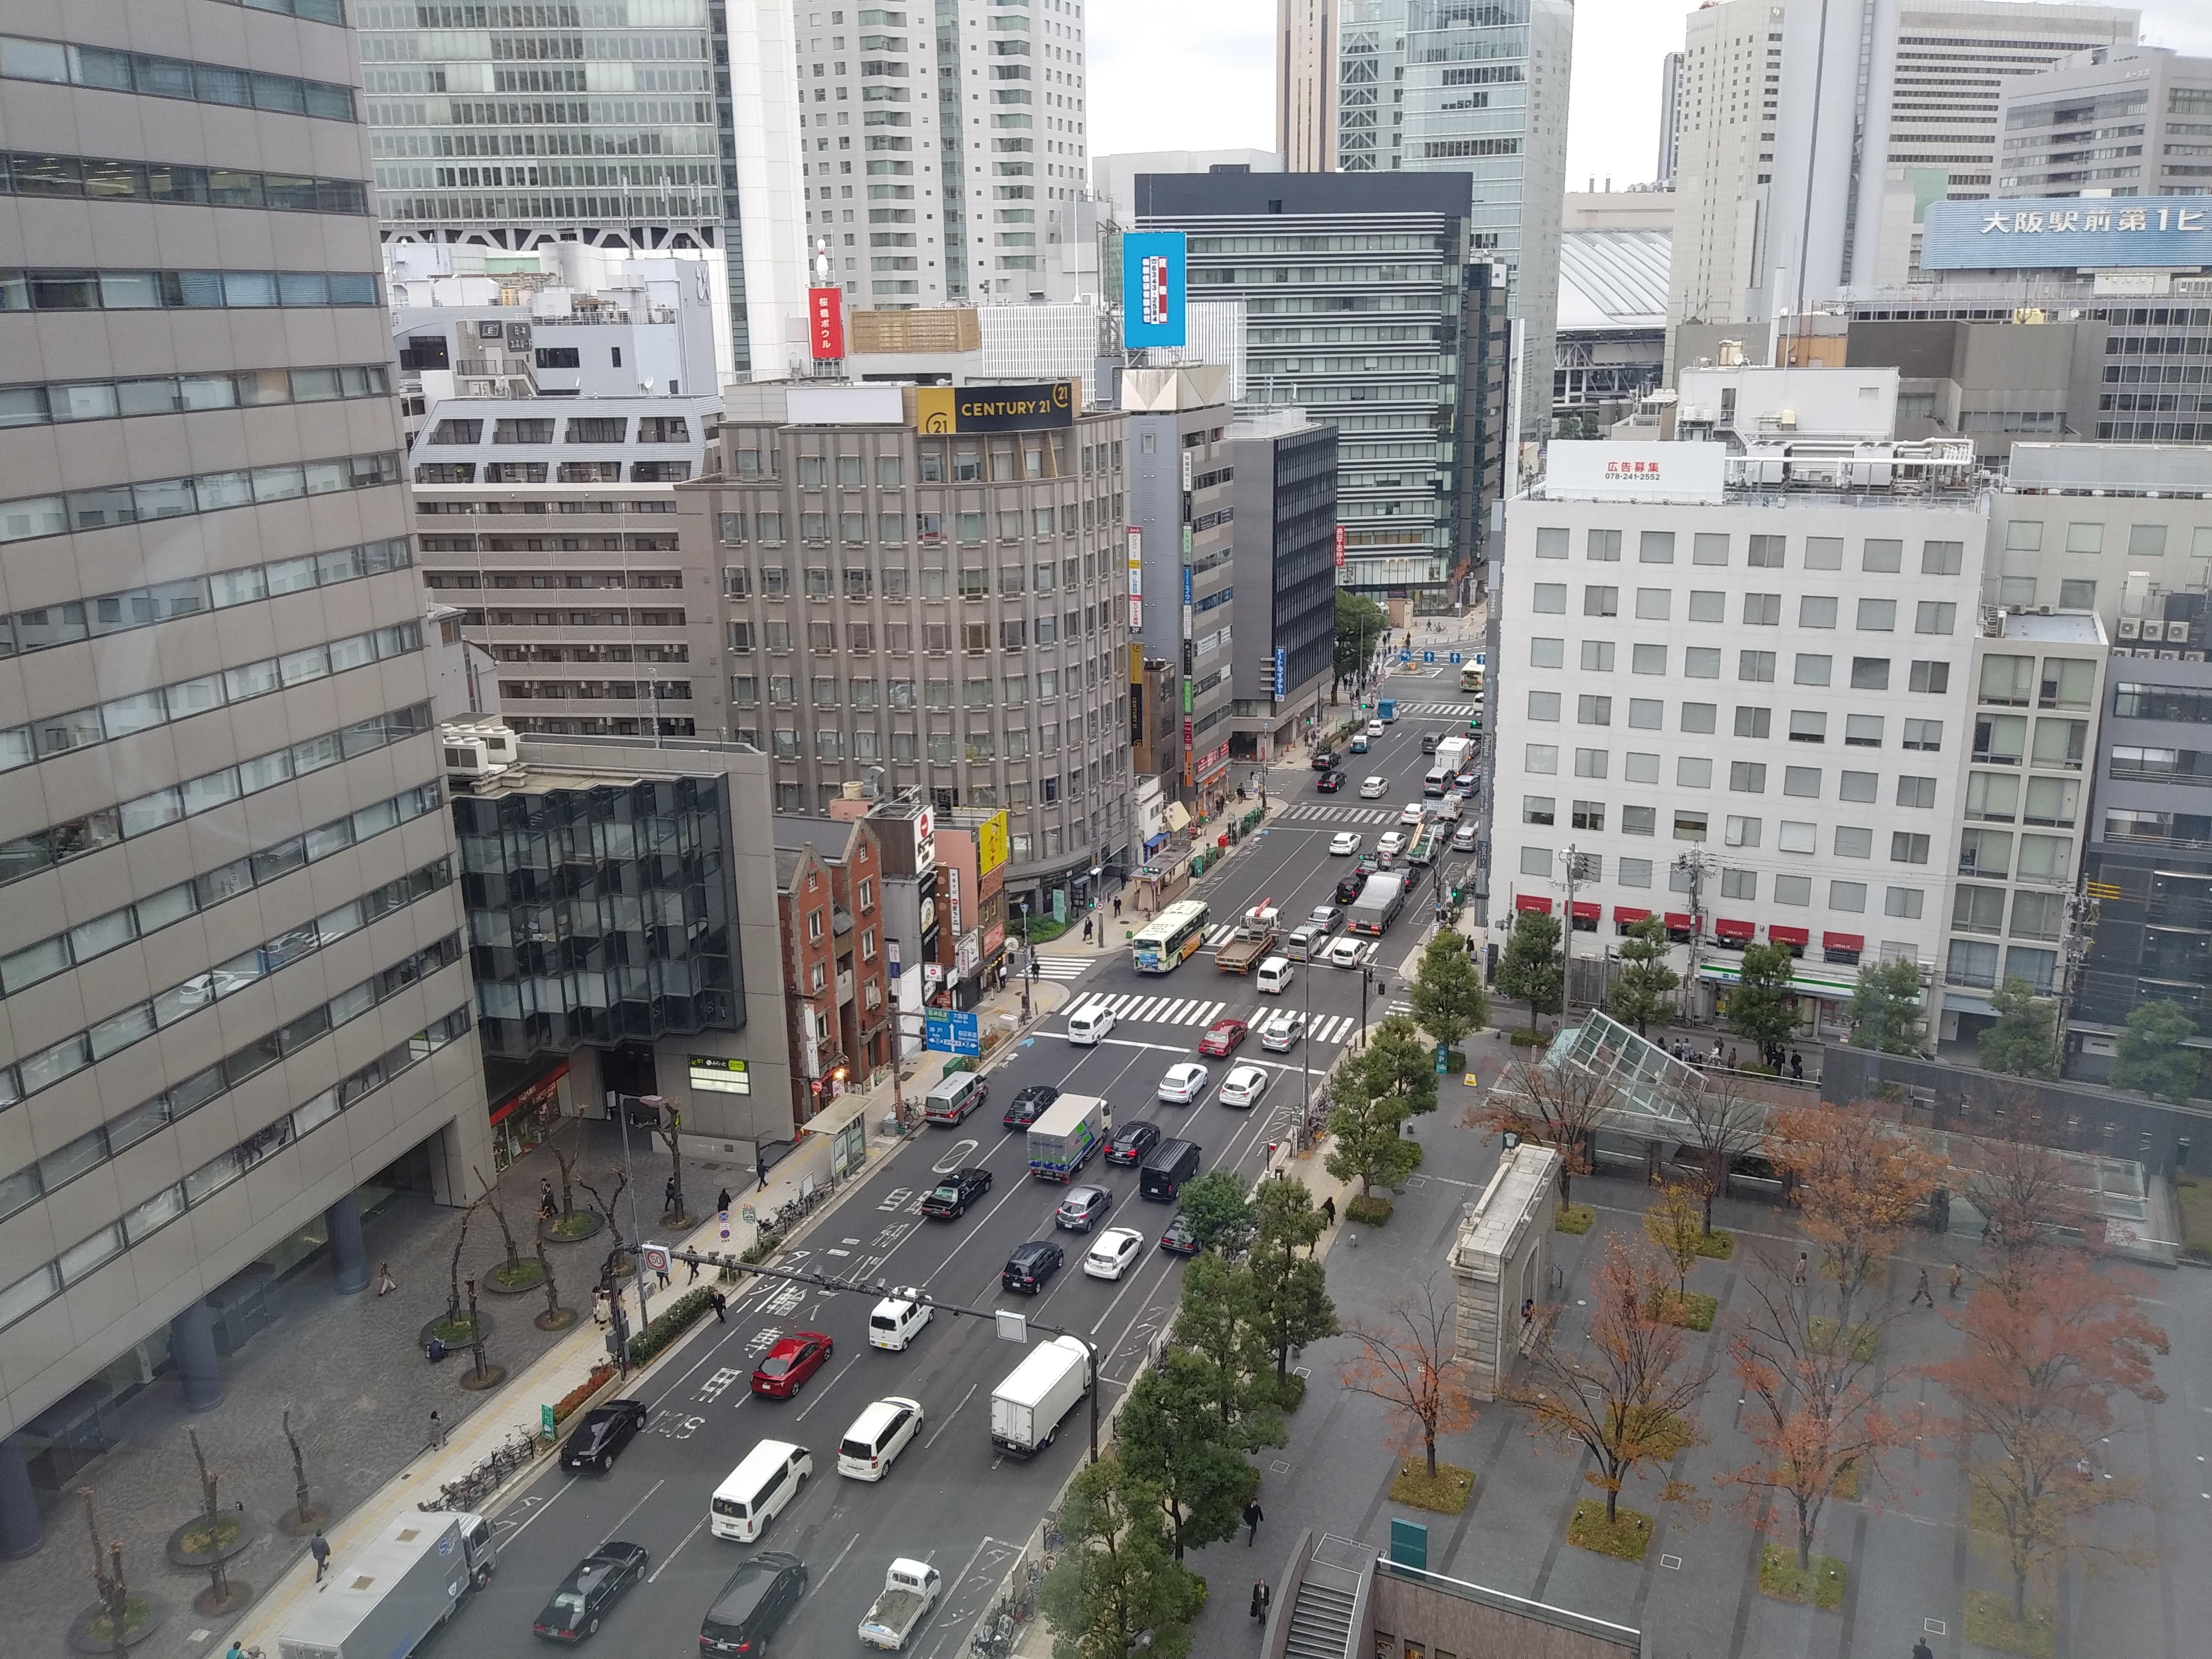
(1132,1142)
(1032,1265)
(1329,782)
(1323,760)
(1179,1239)
(1029,1105)
(948,1199)
(587,1594)
(605,1430)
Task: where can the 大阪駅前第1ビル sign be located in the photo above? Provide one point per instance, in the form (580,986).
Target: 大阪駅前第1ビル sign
(2066,233)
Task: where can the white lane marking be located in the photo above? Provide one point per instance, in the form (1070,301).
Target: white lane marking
(841,1554)
(631,1511)
(949,1416)
(655,1575)
(567,1487)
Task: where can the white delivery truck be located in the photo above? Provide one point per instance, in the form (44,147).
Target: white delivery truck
(1027,1408)
(382,1603)
(910,1590)
(1452,754)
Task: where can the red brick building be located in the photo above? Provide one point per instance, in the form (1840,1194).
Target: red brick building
(830,898)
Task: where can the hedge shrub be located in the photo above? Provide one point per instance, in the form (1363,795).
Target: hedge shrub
(569,1402)
(678,1318)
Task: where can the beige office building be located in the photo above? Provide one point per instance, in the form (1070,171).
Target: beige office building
(232,984)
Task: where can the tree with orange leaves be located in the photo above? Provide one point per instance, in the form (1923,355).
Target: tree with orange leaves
(2046,1352)
(1627,1400)
(1556,1108)
(1412,1366)
(1858,1177)
(1820,1417)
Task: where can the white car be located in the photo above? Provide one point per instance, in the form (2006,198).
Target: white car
(1413,814)
(1463,839)
(1390,845)
(1185,1081)
(896,1321)
(1351,951)
(1244,1086)
(1374,728)
(1282,1031)
(1373,788)
(1110,1256)
(877,1436)
(1344,843)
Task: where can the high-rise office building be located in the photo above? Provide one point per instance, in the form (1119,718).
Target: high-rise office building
(1670,117)
(1453,85)
(2115,121)
(670,126)
(1812,134)
(231,979)
(1305,84)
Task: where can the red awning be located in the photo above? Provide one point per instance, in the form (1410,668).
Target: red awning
(1726,929)
(1628,915)
(1531,902)
(1778,934)
(1588,912)
(1678,923)
(1843,941)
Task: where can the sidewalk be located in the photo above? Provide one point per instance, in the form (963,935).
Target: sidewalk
(547,1379)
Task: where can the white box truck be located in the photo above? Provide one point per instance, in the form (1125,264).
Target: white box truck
(382,1603)
(1452,754)
(910,1589)
(1065,1136)
(1028,1407)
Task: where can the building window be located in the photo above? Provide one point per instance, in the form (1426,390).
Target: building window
(1762,610)
(1870,673)
(1877,616)
(1601,601)
(1550,598)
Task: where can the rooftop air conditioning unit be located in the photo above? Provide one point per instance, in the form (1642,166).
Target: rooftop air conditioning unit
(2193,656)
(2177,633)
(468,757)
(2131,627)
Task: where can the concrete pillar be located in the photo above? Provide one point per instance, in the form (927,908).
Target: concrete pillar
(191,1345)
(348,1262)
(20,1531)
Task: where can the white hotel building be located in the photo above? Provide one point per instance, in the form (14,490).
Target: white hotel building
(1738,689)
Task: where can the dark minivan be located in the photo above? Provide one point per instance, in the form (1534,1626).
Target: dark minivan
(758,1598)
(1172,1162)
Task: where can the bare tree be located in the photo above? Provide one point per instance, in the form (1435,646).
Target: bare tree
(108,1579)
(556,1317)
(1558,1108)
(217,1597)
(563,1137)
(453,1264)
(608,1206)
(1723,1124)
(670,1129)
(2030,1201)
(490,1198)
(306,1516)
(1411,1366)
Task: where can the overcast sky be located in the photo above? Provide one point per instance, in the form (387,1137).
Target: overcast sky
(1199,75)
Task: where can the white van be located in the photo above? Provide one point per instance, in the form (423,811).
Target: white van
(758,1488)
(878,1435)
(894,1321)
(1275,976)
(1087,1025)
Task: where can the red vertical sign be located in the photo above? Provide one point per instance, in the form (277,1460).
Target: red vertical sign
(825,322)
(1340,547)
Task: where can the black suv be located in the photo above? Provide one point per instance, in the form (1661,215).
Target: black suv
(754,1604)
(1030,1265)
(1028,1106)
(1348,889)
(949,1198)
(605,1430)
(1131,1142)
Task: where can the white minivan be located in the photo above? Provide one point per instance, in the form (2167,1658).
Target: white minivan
(1087,1025)
(1275,976)
(878,1435)
(758,1488)
(895,1320)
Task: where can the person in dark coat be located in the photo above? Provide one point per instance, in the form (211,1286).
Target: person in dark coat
(1328,1211)
(722,1202)
(721,1305)
(1261,1599)
(1252,1516)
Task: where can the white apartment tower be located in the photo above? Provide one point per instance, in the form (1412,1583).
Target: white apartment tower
(1670,118)
(1305,84)
(1813,132)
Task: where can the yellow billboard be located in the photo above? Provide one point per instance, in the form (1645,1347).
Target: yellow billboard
(990,844)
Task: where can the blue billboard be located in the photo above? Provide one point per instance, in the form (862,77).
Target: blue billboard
(1152,289)
(2090,233)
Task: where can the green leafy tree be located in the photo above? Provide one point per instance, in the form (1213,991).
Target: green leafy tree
(1217,1210)
(2152,1060)
(1532,969)
(2024,1040)
(1360,626)
(1290,1290)
(1397,1062)
(1169,1436)
(1885,1007)
(1645,990)
(1762,1009)
(1117,1591)
(1447,995)
(1367,1123)
(1220,1321)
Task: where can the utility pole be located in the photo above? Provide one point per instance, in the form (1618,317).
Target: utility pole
(1691,864)
(1567,937)
(2077,925)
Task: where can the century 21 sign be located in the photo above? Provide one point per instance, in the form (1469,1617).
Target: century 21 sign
(946,409)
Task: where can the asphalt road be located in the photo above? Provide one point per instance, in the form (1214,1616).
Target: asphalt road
(950,1499)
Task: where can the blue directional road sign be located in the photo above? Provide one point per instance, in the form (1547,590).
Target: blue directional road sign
(1428,656)
(950,1033)
(1455,657)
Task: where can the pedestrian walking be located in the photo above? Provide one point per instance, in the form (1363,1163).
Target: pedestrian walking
(1117,907)
(1922,1650)
(760,1169)
(545,1193)
(234,1651)
(1328,1211)
(319,1548)
(1921,1290)
(1087,930)
(662,1273)
(1261,1599)
(1252,1516)
(722,1204)
(1732,1064)
(1798,1276)
(694,1280)
(385,1284)
(1796,1067)
(670,1199)
(721,1305)
(437,1432)
(599,1307)
(1955,1277)
(1527,1309)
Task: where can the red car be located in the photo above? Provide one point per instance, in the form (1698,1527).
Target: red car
(790,1363)
(1222,1037)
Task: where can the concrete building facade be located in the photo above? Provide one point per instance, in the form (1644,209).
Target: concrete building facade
(231,987)
(1305,84)
(2121,120)
(1284,559)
